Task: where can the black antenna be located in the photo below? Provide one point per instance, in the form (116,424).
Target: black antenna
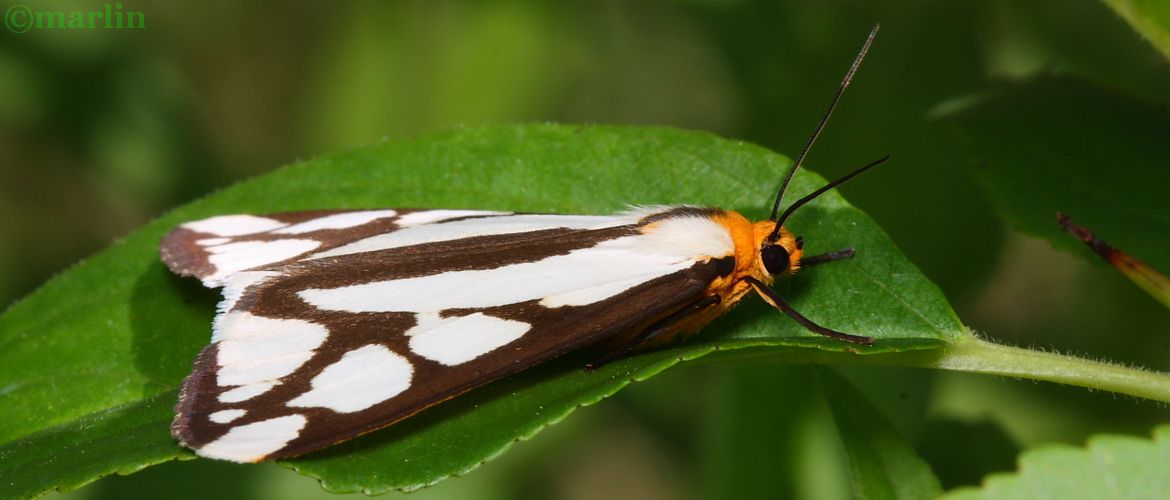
(824,120)
(792,208)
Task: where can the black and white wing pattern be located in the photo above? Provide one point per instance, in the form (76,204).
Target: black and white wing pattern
(337,323)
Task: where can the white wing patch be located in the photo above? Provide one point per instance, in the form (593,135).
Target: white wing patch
(455,340)
(578,278)
(226,416)
(362,378)
(254,349)
(234,225)
(232,258)
(505,224)
(235,285)
(337,221)
(253,442)
(246,392)
(596,292)
(690,236)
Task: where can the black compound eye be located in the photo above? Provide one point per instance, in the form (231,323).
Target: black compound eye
(775,259)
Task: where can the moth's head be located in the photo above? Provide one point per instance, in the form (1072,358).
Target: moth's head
(780,252)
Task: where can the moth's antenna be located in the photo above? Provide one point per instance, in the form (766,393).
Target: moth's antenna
(826,187)
(824,119)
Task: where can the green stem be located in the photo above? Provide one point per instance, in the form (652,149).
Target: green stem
(972,355)
(979,356)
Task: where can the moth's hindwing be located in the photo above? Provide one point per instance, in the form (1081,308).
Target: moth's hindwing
(334,324)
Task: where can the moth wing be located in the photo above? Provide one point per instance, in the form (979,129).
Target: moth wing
(213,249)
(324,348)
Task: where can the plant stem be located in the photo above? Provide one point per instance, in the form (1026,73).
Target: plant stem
(979,356)
(973,355)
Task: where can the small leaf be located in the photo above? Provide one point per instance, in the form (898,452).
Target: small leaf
(884,464)
(118,329)
(1061,145)
(1151,18)
(1110,466)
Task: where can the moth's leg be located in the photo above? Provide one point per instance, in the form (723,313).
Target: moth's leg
(641,340)
(845,253)
(774,300)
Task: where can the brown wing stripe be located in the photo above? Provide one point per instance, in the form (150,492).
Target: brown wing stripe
(481,252)
(184,256)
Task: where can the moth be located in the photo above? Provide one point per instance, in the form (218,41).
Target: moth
(335,323)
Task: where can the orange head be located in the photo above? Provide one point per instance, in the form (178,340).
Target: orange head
(761,252)
(779,256)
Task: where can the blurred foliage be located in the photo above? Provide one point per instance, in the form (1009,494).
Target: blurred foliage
(1105,468)
(884,464)
(1039,155)
(100,131)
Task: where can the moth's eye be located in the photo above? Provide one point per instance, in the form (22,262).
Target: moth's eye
(775,259)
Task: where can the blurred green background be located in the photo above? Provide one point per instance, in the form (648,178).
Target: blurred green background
(101,130)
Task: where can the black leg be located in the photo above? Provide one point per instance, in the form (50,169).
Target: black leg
(775,300)
(846,253)
(652,331)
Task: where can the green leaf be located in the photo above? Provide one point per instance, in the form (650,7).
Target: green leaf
(97,342)
(1110,466)
(884,464)
(1151,18)
(1064,145)
(69,456)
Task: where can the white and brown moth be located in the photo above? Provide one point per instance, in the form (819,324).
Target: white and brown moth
(337,323)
